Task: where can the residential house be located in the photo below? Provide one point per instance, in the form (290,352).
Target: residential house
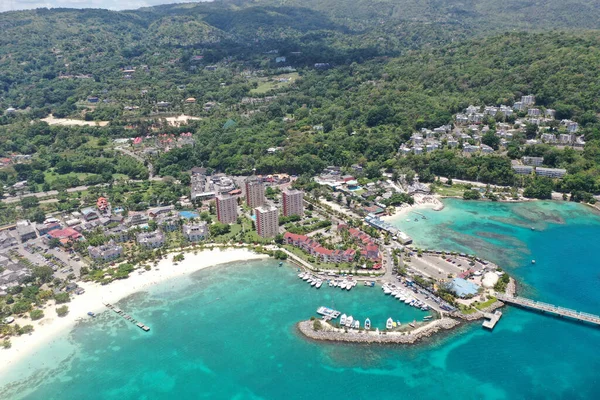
(522,169)
(535,161)
(136,219)
(119,233)
(168,223)
(156,211)
(150,240)
(89,213)
(548,137)
(106,252)
(550,172)
(7,240)
(194,232)
(25,231)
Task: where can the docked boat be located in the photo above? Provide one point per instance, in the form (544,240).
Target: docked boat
(313,282)
(349,321)
(343,319)
(398,295)
(349,285)
(356,324)
(427,317)
(306,276)
(319,284)
(330,283)
(367,323)
(301,275)
(389,323)
(387,290)
(408,300)
(342,285)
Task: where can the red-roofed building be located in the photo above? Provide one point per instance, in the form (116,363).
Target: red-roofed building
(370,249)
(65,235)
(102,204)
(314,248)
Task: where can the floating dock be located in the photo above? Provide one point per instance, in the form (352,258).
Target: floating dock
(127,317)
(491,319)
(550,309)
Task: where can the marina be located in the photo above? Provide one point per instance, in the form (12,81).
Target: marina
(128,318)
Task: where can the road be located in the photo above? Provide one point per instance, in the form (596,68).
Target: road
(140,159)
(50,193)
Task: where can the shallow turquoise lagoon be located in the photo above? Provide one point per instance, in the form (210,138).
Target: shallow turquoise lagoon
(245,346)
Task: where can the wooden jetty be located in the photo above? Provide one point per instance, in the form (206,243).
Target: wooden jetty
(550,309)
(127,317)
(491,319)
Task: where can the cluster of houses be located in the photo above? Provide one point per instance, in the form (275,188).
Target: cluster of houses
(470,126)
(315,249)
(13,273)
(368,248)
(206,186)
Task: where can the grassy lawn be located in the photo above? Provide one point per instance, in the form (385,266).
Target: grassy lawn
(454,190)
(485,304)
(266,84)
(51,176)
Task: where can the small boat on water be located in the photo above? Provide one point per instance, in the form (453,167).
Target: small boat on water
(367,323)
(342,285)
(533,261)
(319,284)
(349,321)
(389,323)
(387,290)
(280,263)
(356,324)
(412,325)
(343,319)
(301,275)
(408,300)
(532,228)
(349,285)
(306,276)
(91,314)
(427,317)
(331,283)
(313,282)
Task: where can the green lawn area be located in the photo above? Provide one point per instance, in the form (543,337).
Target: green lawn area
(454,190)
(270,83)
(485,304)
(51,176)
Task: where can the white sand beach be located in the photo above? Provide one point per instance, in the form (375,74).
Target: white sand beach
(95,295)
(422,201)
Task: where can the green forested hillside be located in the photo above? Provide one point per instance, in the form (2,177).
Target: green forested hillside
(390,68)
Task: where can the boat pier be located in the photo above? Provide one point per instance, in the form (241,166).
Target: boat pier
(491,319)
(550,309)
(129,318)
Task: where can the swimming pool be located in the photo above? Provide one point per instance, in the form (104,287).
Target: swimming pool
(188,214)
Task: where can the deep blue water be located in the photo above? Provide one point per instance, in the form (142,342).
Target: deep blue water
(244,346)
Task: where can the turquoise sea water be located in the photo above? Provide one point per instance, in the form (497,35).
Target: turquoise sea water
(244,346)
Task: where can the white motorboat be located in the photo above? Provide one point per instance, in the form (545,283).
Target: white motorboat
(319,284)
(349,285)
(356,324)
(343,319)
(408,300)
(306,276)
(349,321)
(343,285)
(387,290)
(330,283)
(301,275)
(313,282)
(367,323)
(389,323)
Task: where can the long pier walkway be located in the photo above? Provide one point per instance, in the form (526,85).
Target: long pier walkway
(127,317)
(550,309)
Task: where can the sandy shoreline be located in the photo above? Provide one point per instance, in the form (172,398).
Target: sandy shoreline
(51,325)
(422,202)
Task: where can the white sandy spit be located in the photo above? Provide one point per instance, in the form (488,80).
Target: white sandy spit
(95,295)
